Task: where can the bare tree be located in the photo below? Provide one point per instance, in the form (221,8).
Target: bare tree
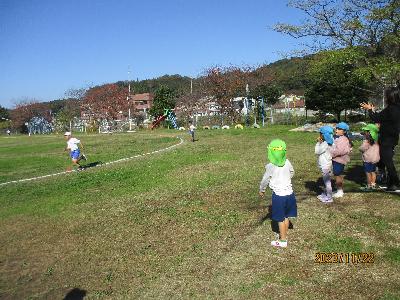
(372,25)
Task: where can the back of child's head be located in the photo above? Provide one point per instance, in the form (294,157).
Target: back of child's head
(372,131)
(277,152)
(327,134)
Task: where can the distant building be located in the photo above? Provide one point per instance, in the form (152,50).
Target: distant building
(206,106)
(290,103)
(142,102)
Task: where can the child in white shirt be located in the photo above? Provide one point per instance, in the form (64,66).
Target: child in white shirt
(73,146)
(323,150)
(278,174)
(191,130)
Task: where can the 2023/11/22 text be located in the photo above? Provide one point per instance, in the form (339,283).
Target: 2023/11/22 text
(346,258)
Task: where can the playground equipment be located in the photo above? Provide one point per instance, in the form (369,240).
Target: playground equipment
(169,115)
(39,125)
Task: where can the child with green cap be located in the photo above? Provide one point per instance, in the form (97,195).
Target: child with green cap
(278,175)
(370,154)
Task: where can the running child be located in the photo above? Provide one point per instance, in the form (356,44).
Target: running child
(278,175)
(323,150)
(73,146)
(370,155)
(340,152)
(191,130)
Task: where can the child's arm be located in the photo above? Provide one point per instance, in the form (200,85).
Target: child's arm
(320,148)
(265,180)
(291,169)
(364,146)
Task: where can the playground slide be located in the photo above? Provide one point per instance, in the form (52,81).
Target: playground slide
(158,121)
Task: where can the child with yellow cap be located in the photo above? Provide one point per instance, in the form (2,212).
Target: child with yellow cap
(278,175)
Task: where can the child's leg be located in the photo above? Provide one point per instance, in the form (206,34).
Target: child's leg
(326,177)
(339,182)
(76,162)
(283,229)
(373,178)
(368,178)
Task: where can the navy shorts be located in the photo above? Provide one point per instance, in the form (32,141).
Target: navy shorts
(283,207)
(75,154)
(337,168)
(369,167)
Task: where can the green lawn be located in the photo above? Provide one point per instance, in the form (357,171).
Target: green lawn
(185,223)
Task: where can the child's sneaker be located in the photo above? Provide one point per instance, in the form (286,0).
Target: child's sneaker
(279,243)
(366,188)
(326,199)
(84,157)
(338,194)
(322,196)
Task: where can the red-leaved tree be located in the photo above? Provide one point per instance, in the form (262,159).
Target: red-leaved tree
(105,101)
(25,111)
(226,83)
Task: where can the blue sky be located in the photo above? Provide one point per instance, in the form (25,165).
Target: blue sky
(50,46)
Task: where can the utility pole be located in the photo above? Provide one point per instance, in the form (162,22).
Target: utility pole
(128,98)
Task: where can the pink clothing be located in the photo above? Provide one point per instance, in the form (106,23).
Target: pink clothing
(370,153)
(341,149)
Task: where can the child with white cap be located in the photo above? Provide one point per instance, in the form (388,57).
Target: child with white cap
(73,146)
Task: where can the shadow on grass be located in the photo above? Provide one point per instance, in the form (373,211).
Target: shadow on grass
(356,174)
(75,294)
(92,165)
(274,224)
(315,186)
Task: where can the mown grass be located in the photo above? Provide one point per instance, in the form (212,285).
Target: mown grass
(188,223)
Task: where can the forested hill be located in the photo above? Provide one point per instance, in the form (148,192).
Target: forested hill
(179,83)
(288,74)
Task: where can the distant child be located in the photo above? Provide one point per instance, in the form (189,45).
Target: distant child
(191,130)
(340,152)
(278,174)
(323,150)
(73,146)
(370,154)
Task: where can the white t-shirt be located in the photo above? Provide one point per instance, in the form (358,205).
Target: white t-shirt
(192,128)
(72,144)
(278,179)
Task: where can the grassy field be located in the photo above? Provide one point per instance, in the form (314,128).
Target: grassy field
(186,223)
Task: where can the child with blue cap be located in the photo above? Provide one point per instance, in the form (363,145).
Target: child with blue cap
(340,152)
(322,149)
(278,175)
